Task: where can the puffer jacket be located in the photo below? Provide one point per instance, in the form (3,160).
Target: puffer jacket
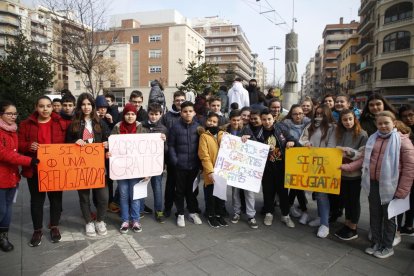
(208,151)
(28,133)
(10,160)
(156,95)
(157,127)
(171,117)
(183,145)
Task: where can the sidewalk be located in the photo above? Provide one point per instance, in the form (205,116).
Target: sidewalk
(165,249)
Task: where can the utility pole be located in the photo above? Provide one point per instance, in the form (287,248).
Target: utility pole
(274,48)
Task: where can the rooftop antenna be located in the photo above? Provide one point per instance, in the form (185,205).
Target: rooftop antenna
(294,20)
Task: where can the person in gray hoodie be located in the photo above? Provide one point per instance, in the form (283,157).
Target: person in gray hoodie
(156,94)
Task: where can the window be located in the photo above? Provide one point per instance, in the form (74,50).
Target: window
(394,70)
(155,38)
(155,69)
(135,39)
(77,85)
(155,53)
(102,41)
(398,12)
(112,53)
(396,41)
(113,84)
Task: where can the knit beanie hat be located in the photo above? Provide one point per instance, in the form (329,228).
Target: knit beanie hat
(129,108)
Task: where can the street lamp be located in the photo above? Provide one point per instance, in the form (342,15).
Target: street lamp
(274,48)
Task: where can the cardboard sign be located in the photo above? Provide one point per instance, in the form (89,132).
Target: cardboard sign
(240,164)
(135,155)
(71,167)
(313,169)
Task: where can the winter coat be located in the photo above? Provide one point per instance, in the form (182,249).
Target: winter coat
(406,164)
(224,101)
(253,94)
(237,94)
(368,124)
(157,127)
(10,160)
(140,128)
(142,115)
(357,143)
(114,112)
(208,151)
(170,118)
(28,133)
(99,137)
(183,145)
(156,95)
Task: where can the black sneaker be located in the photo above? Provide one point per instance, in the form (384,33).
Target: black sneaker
(222,221)
(36,238)
(212,221)
(5,245)
(159,217)
(167,213)
(147,210)
(252,223)
(406,231)
(346,234)
(55,234)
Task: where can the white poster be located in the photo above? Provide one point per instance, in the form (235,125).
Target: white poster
(141,189)
(398,206)
(240,164)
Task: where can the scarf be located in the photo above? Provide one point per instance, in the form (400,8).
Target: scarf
(296,129)
(213,130)
(126,128)
(389,174)
(7,127)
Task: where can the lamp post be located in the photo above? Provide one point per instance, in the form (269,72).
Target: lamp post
(274,48)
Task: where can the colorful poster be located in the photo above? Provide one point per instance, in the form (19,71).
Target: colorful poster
(135,155)
(313,169)
(240,164)
(71,167)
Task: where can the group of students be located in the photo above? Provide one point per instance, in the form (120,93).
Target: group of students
(377,155)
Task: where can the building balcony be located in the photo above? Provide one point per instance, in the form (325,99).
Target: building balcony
(366,25)
(394,83)
(395,54)
(365,45)
(9,21)
(366,6)
(38,31)
(333,46)
(363,88)
(407,22)
(364,66)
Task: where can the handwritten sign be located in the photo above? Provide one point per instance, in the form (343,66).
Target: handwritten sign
(70,167)
(313,169)
(135,155)
(241,164)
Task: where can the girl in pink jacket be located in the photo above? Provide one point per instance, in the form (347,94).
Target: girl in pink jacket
(387,173)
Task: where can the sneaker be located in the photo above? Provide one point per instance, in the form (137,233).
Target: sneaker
(180,221)
(405,231)
(372,249)
(147,210)
(212,221)
(136,227)
(304,218)
(288,221)
(323,231)
(159,217)
(90,229)
(315,222)
(397,239)
(167,213)
(235,218)
(268,220)
(55,234)
(252,223)
(100,227)
(346,234)
(5,244)
(295,212)
(195,218)
(113,207)
(124,227)
(384,253)
(36,238)
(222,221)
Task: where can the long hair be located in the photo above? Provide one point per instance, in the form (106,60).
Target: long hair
(387,106)
(341,129)
(289,115)
(80,117)
(327,119)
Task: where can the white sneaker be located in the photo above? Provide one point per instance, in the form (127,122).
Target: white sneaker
(90,229)
(397,239)
(295,212)
(268,220)
(304,218)
(101,228)
(288,221)
(323,231)
(180,221)
(315,222)
(195,218)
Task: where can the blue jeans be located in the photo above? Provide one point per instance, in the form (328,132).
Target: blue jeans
(129,206)
(156,184)
(6,203)
(322,201)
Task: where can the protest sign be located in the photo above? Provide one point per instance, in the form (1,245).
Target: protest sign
(241,164)
(135,155)
(313,169)
(70,167)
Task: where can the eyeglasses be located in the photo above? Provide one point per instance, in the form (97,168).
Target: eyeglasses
(179,101)
(406,116)
(136,102)
(10,114)
(297,114)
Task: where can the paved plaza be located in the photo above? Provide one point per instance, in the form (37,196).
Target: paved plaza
(165,249)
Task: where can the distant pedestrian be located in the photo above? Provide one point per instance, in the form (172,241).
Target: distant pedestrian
(253,92)
(222,93)
(238,94)
(156,94)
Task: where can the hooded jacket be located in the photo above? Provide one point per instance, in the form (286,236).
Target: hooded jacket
(156,95)
(237,94)
(208,151)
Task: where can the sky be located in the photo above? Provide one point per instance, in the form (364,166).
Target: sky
(262,30)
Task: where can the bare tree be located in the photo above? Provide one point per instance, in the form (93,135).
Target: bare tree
(76,39)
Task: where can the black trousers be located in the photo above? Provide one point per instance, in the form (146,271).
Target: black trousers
(169,194)
(214,205)
(272,183)
(184,190)
(300,194)
(351,192)
(409,214)
(37,202)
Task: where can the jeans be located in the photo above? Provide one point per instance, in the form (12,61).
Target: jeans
(128,204)
(184,190)
(37,201)
(6,204)
(156,184)
(351,191)
(249,199)
(322,201)
(101,197)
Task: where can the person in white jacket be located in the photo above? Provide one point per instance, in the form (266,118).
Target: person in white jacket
(238,94)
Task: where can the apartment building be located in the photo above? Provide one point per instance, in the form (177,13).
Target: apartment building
(317,78)
(308,79)
(348,60)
